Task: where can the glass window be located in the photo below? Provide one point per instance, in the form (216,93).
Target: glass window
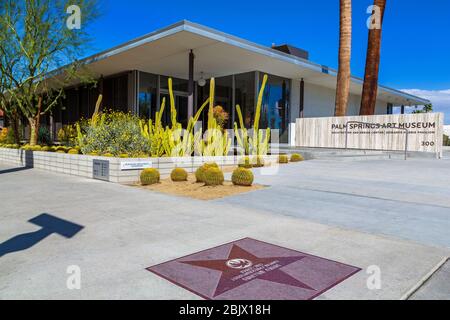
(148,86)
(180,85)
(115,93)
(224,97)
(71,106)
(275,107)
(245,97)
(202,95)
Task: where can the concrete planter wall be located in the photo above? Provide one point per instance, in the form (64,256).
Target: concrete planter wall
(82,165)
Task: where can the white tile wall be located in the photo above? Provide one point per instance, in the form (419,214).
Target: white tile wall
(81,165)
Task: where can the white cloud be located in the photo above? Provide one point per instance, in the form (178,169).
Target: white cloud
(439,98)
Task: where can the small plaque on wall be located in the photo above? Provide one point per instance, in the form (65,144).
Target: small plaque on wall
(101,170)
(135,165)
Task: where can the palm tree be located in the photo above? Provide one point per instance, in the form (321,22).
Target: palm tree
(345,51)
(370,87)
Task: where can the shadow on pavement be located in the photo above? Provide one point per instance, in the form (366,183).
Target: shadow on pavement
(14,170)
(49,225)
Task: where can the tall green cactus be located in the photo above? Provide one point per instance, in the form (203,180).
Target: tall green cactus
(216,141)
(155,133)
(257,145)
(171,141)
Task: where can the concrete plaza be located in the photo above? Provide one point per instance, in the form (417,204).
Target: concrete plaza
(391,214)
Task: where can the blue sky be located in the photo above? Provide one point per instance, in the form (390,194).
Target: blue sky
(415,48)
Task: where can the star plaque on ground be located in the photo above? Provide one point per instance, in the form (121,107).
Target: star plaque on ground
(249,269)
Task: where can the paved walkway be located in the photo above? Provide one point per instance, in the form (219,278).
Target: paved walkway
(126,230)
(404,199)
(437,287)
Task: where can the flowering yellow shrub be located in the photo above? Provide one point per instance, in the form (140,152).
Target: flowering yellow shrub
(115,133)
(3,135)
(67,135)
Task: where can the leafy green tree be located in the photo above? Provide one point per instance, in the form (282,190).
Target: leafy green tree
(44,46)
(428,108)
(8,60)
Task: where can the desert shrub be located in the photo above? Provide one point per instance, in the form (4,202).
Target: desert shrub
(213,177)
(200,173)
(297,157)
(3,135)
(446,141)
(283,159)
(179,175)
(114,132)
(149,177)
(242,177)
(7,136)
(67,135)
(44,137)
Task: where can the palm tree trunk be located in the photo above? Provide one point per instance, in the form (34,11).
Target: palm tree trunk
(345,51)
(370,87)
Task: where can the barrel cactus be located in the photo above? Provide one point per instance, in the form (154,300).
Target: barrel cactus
(297,157)
(29,148)
(213,177)
(242,177)
(179,175)
(200,173)
(149,177)
(73,151)
(283,159)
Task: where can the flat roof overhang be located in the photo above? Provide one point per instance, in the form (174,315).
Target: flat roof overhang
(218,54)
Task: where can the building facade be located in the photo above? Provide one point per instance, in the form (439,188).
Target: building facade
(134,77)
